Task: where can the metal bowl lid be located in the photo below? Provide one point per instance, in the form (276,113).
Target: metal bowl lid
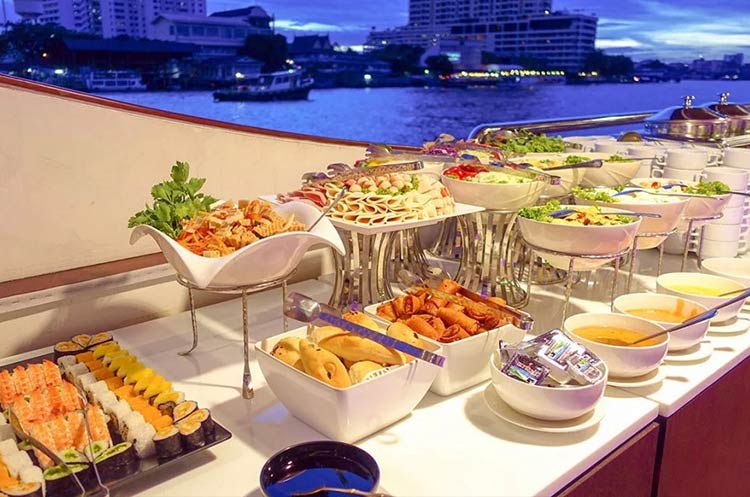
(687,113)
(729,109)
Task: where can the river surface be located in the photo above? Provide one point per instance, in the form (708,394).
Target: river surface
(411,116)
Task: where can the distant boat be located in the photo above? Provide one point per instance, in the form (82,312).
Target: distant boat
(114,81)
(281,85)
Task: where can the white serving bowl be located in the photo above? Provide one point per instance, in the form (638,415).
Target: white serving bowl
(680,340)
(728,267)
(670,215)
(665,282)
(714,248)
(574,239)
(467,361)
(268,259)
(510,197)
(346,414)
(611,173)
(622,361)
(568,177)
(542,402)
(699,206)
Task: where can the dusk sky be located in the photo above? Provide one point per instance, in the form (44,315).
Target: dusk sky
(671,30)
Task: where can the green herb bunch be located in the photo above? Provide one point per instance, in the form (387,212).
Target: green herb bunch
(174,201)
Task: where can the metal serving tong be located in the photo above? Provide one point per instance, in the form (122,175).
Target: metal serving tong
(308,310)
(411,283)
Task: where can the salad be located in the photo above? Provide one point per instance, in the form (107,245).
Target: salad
(523,142)
(708,188)
(610,195)
(583,216)
(576,159)
(481,174)
(619,158)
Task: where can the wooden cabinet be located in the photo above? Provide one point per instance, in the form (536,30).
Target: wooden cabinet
(626,472)
(706,444)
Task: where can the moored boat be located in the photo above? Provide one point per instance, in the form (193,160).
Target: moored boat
(280,85)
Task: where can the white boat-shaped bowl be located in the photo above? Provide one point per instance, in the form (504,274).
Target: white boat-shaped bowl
(578,240)
(698,206)
(508,197)
(352,413)
(670,215)
(728,267)
(611,173)
(268,259)
(666,283)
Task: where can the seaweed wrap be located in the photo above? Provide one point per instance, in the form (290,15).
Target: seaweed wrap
(167,442)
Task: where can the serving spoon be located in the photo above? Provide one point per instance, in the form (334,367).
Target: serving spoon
(733,192)
(335,201)
(726,294)
(592,164)
(352,491)
(565,212)
(696,319)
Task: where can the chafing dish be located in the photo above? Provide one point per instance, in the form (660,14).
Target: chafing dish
(738,115)
(688,123)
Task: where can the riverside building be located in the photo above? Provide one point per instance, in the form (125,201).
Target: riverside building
(513,29)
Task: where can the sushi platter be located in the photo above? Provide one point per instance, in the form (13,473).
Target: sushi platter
(107,417)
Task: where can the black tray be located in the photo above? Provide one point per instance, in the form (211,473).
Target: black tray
(152,464)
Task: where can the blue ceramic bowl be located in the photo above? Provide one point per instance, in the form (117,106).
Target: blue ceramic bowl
(307,466)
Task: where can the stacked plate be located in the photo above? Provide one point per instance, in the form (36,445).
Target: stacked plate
(740,158)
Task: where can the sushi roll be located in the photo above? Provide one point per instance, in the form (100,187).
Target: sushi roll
(157,385)
(203,416)
(85,356)
(167,442)
(114,383)
(74,371)
(32,474)
(132,421)
(118,361)
(142,438)
(66,348)
(51,373)
(167,401)
(31,489)
(7,388)
(101,350)
(95,449)
(117,462)
(107,400)
(118,414)
(82,340)
(36,376)
(66,361)
(99,339)
(140,379)
(85,380)
(191,434)
(60,482)
(184,409)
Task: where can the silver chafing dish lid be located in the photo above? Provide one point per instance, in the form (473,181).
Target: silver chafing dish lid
(686,112)
(729,109)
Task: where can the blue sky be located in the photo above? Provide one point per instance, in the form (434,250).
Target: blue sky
(668,29)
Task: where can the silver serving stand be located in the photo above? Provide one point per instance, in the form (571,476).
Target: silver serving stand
(243,291)
(616,256)
(634,254)
(691,222)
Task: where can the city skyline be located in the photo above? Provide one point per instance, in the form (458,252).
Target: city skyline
(669,30)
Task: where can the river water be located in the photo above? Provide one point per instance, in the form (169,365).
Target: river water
(411,116)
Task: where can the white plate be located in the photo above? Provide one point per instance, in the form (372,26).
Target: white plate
(461,210)
(503,411)
(740,325)
(698,352)
(654,377)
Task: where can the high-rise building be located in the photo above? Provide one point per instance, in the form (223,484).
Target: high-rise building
(108,18)
(513,29)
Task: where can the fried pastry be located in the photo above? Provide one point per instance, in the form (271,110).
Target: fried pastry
(361,319)
(323,365)
(351,347)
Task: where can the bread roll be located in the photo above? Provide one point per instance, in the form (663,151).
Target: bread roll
(360,369)
(402,332)
(320,333)
(323,365)
(287,350)
(354,348)
(361,319)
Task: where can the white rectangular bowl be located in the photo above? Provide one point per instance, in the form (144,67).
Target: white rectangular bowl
(467,361)
(346,414)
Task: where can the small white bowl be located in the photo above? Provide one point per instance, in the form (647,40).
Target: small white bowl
(715,248)
(346,414)
(722,232)
(728,267)
(574,239)
(268,259)
(680,340)
(611,173)
(666,282)
(622,361)
(730,216)
(542,402)
(508,197)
